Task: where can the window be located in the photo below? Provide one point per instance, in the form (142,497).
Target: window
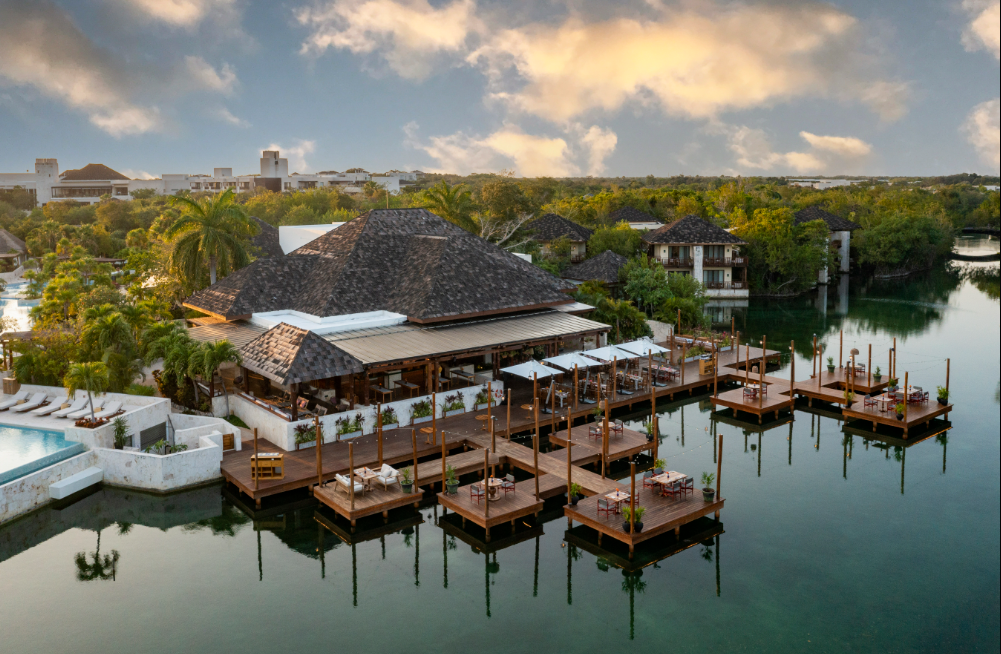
(714,251)
(712,276)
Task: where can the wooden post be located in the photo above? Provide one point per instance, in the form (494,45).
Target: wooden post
(905,402)
(715,366)
(319,454)
(535,456)
(792,375)
(615,379)
(535,411)
(681,364)
(535,385)
(576,388)
(490,402)
(747,362)
(378,409)
(894,375)
(656,435)
(257,468)
(653,392)
(444,459)
(351,472)
(841,347)
(493,434)
(632,496)
(820,364)
(732,325)
(295,402)
(719,470)
(434,418)
(552,405)
(947,375)
(761,381)
(486,487)
(569,463)
(604,441)
(413,436)
(814,355)
(509,414)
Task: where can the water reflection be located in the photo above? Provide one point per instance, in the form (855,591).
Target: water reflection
(98,567)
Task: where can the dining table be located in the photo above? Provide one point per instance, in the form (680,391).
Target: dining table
(617,497)
(493,486)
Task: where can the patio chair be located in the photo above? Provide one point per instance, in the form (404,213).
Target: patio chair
(687,485)
(110,409)
(749,392)
(476,493)
(98,406)
(20,396)
(617,427)
(648,480)
(387,475)
(37,400)
(344,484)
(868,401)
(77,405)
(606,507)
(507,484)
(594,431)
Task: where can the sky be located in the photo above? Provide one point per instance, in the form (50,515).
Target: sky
(537,87)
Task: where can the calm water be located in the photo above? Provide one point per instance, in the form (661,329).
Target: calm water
(20,446)
(829,543)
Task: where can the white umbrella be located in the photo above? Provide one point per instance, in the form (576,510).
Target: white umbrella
(531,369)
(642,347)
(609,353)
(568,361)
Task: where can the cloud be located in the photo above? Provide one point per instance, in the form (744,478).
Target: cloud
(984,30)
(754,150)
(296,154)
(181,13)
(225,115)
(201,74)
(983,131)
(44,50)
(697,61)
(406,33)
(530,155)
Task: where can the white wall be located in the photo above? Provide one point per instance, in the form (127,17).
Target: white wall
(32,491)
(161,473)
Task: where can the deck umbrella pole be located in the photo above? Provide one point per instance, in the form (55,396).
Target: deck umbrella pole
(632,496)
(256,469)
(509,414)
(413,437)
(576,387)
(319,454)
(434,422)
(378,420)
(535,458)
(486,488)
(719,470)
(351,472)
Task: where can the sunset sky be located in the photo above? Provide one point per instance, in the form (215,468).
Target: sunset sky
(541,87)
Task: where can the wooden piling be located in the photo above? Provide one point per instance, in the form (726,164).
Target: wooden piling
(719,468)
(351,472)
(319,454)
(535,456)
(378,422)
(434,417)
(257,467)
(413,436)
(632,496)
(444,458)
(868,368)
(841,347)
(509,414)
(486,487)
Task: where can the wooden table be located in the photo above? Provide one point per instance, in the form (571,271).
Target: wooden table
(668,478)
(382,390)
(366,475)
(269,465)
(429,435)
(493,485)
(413,388)
(462,374)
(618,497)
(483,418)
(444,381)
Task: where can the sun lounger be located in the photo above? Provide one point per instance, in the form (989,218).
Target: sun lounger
(36,401)
(51,407)
(77,405)
(19,397)
(84,413)
(111,409)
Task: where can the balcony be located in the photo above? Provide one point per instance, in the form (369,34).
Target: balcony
(723,262)
(676,262)
(726,286)
(577,258)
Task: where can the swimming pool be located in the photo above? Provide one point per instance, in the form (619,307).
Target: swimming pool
(23,451)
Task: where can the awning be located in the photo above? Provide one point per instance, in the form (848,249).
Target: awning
(568,361)
(609,353)
(643,347)
(531,370)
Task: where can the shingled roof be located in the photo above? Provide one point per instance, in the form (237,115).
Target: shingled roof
(552,226)
(631,215)
(408,261)
(291,355)
(690,230)
(603,268)
(267,239)
(10,242)
(834,223)
(91,172)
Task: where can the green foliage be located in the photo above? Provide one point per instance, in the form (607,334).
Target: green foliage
(213,231)
(635,513)
(45,358)
(707,479)
(306,433)
(454,203)
(405,476)
(389,416)
(943,392)
(346,425)
(621,239)
(422,409)
(574,489)
(140,389)
(121,431)
(783,257)
(453,402)
(646,283)
(628,321)
(94,377)
(901,242)
(236,421)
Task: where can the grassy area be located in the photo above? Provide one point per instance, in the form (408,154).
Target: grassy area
(235,420)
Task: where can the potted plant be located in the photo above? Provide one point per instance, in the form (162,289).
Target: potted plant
(597,413)
(305,436)
(658,466)
(637,514)
(421,411)
(708,492)
(389,419)
(891,384)
(483,400)
(830,365)
(453,405)
(121,433)
(648,428)
(878,375)
(849,398)
(451,482)
(943,395)
(349,428)
(900,410)
(406,482)
(574,494)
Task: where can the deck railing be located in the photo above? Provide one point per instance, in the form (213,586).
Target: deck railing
(726,286)
(676,262)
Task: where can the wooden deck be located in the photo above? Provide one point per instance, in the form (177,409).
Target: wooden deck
(370,502)
(490,513)
(588,450)
(697,532)
(662,514)
(774,402)
(917,415)
(354,536)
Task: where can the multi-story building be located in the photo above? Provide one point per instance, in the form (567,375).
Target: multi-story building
(551,227)
(89,183)
(839,236)
(692,246)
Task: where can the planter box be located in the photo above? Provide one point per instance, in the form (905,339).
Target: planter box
(417,421)
(302,446)
(480,407)
(454,412)
(394,425)
(350,434)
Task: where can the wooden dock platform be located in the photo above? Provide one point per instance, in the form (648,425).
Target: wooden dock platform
(370,502)
(697,532)
(488,513)
(774,402)
(917,415)
(587,450)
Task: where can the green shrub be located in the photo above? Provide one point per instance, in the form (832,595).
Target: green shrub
(139,389)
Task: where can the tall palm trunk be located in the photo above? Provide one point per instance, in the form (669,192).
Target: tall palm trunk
(212,265)
(224,392)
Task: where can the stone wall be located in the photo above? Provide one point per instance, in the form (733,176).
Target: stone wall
(162,472)
(32,491)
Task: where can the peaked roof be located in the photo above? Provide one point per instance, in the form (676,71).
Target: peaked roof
(834,223)
(10,242)
(631,215)
(604,268)
(408,261)
(267,239)
(552,226)
(91,172)
(291,355)
(690,230)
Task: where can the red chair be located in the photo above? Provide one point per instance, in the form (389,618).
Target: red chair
(606,507)
(868,401)
(687,485)
(476,493)
(507,484)
(648,481)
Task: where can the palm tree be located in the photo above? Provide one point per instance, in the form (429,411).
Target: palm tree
(453,203)
(215,229)
(137,318)
(152,335)
(92,376)
(215,354)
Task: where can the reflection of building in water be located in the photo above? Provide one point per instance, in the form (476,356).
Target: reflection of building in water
(721,311)
(843,295)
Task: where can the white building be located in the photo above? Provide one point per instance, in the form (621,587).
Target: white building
(89,183)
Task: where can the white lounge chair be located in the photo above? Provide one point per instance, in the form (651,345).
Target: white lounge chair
(344,484)
(109,410)
(387,475)
(51,407)
(85,412)
(20,396)
(37,400)
(78,404)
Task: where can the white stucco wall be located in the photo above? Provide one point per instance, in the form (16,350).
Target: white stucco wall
(161,473)
(32,491)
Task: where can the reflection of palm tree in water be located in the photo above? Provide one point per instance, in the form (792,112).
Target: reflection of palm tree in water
(100,567)
(632,583)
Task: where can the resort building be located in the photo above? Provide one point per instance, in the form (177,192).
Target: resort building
(89,183)
(13,252)
(602,268)
(551,227)
(692,246)
(839,235)
(638,220)
(388,308)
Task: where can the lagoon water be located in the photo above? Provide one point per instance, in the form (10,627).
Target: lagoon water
(830,542)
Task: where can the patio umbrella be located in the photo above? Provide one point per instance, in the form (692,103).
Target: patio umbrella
(642,347)
(530,369)
(609,353)
(568,361)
